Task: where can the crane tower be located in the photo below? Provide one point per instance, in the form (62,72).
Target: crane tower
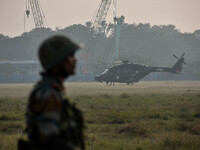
(115,53)
(38,15)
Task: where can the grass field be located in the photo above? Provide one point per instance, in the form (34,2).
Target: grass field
(145,116)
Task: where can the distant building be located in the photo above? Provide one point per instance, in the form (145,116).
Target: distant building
(24,67)
(29,71)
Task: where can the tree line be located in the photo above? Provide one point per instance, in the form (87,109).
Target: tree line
(140,43)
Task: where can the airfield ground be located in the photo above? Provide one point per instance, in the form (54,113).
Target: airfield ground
(145,116)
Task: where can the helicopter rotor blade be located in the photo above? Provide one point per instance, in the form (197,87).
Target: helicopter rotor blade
(183,55)
(175,56)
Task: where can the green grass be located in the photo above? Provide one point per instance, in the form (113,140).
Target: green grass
(122,121)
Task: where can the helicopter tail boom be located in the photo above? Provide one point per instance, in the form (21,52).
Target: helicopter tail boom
(176,68)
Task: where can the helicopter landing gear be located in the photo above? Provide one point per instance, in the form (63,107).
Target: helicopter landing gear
(130,83)
(110,83)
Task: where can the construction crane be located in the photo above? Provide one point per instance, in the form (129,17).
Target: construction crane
(99,22)
(38,14)
(97,28)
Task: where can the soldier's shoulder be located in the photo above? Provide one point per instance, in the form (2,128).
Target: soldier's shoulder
(43,90)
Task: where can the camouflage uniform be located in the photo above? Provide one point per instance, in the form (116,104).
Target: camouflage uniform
(52,121)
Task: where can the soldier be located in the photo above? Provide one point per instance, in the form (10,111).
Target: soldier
(54,123)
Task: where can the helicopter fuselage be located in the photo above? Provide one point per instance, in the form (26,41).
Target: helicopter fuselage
(130,73)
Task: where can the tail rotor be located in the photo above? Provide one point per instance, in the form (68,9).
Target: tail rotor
(177,68)
(182,57)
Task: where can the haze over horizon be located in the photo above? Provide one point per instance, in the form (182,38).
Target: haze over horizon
(184,14)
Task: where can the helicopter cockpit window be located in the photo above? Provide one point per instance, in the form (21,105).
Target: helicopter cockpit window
(105,72)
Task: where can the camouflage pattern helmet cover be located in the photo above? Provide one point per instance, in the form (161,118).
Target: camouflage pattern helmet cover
(54,50)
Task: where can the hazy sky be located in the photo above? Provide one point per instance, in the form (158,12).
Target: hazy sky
(185,14)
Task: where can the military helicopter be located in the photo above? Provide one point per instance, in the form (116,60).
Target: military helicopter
(130,73)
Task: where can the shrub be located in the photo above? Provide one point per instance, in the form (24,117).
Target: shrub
(138,148)
(124,95)
(154,115)
(182,126)
(134,129)
(197,115)
(172,143)
(4,118)
(186,116)
(118,120)
(195,130)
(12,128)
(106,96)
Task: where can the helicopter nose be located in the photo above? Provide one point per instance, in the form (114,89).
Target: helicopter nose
(97,78)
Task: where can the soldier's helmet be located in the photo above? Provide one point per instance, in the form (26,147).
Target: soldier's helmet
(54,50)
